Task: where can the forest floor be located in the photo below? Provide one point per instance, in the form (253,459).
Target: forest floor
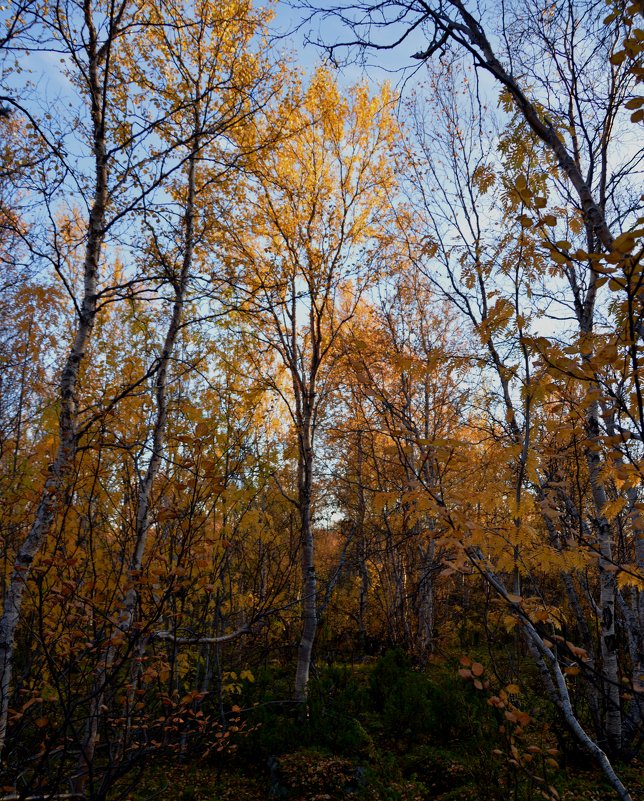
(386,732)
(202,782)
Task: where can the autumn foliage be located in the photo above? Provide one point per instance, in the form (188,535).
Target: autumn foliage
(294,373)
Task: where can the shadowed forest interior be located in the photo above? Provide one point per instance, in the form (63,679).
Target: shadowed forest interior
(321,414)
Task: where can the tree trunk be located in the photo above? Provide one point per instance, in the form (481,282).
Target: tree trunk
(554,679)
(363,570)
(607,591)
(309,579)
(426,599)
(142,520)
(59,471)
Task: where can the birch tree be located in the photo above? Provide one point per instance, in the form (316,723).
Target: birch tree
(94,61)
(312,253)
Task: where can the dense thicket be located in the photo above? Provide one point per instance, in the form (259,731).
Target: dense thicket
(294,373)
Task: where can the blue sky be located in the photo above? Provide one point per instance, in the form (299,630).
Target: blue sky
(291,23)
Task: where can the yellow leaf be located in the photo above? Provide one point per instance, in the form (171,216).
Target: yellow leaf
(510,622)
(613,508)
(629,576)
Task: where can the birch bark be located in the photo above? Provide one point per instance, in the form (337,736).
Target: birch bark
(142,520)
(59,471)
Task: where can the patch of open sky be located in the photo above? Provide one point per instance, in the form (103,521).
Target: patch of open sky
(317,36)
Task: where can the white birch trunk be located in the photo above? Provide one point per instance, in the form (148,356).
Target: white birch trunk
(426,599)
(554,679)
(607,593)
(142,520)
(55,485)
(309,578)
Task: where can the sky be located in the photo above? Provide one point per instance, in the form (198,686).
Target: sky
(299,31)
(294,30)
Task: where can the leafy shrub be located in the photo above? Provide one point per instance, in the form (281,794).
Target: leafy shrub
(460,714)
(329,722)
(401,695)
(387,675)
(407,711)
(283,729)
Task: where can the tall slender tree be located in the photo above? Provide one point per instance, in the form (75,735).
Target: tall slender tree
(311,253)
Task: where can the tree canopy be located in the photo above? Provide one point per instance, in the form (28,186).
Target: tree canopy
(294,371)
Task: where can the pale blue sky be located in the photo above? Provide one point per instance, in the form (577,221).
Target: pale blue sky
(291,22)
